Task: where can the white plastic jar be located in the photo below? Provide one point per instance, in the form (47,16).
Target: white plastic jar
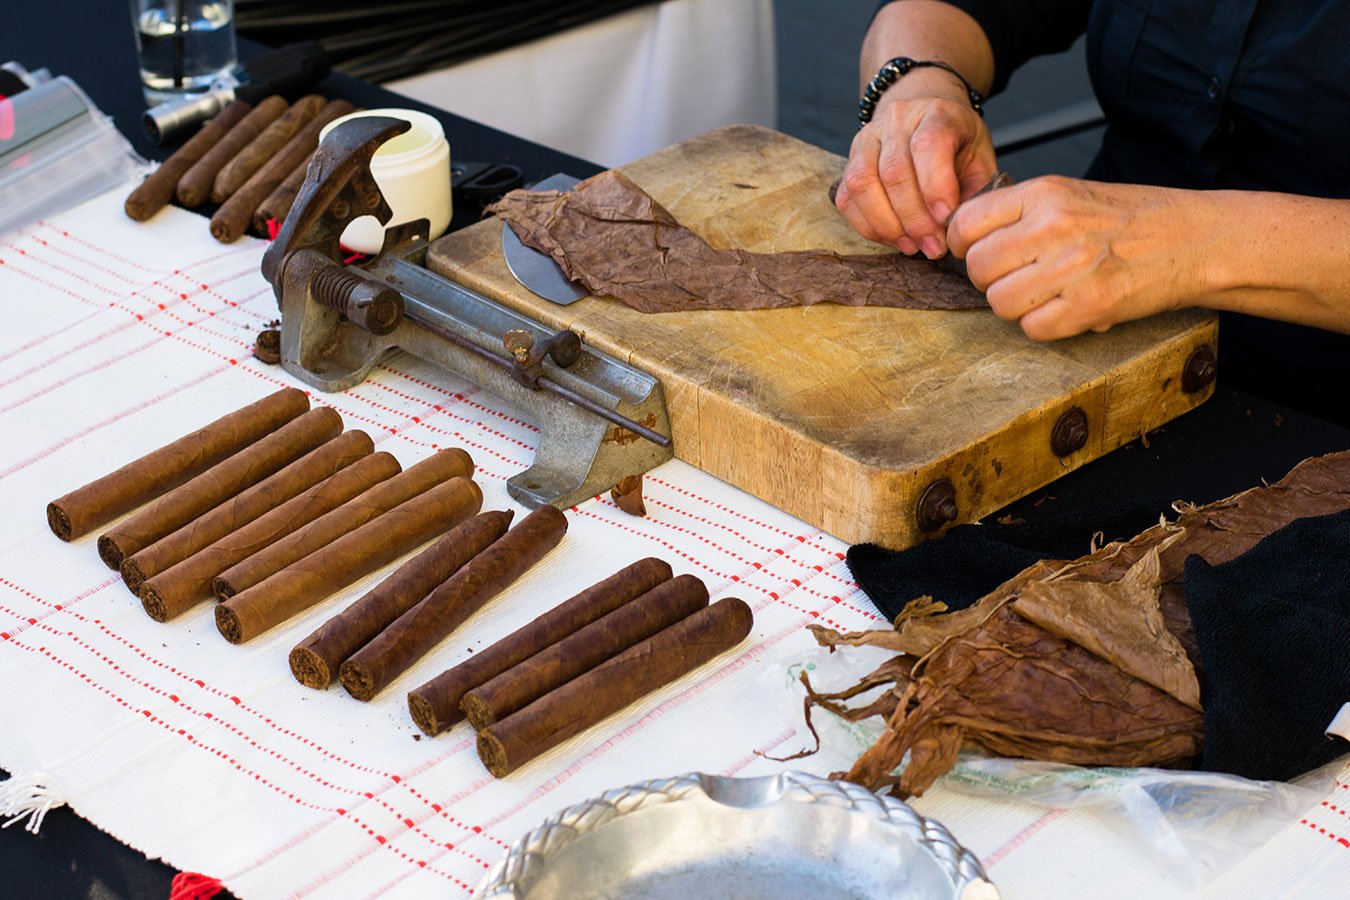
(413,172)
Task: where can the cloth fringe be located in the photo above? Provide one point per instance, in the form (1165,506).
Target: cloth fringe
(28,797)
(194,886)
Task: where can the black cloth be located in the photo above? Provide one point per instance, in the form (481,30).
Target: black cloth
(1273,627)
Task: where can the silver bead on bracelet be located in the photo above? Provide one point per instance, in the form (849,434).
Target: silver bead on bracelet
(896,69)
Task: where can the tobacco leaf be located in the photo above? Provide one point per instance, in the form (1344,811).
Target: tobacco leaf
(615,239)
(1107,672)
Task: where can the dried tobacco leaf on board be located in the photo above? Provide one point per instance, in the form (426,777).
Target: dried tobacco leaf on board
(1092,662)
(612,237)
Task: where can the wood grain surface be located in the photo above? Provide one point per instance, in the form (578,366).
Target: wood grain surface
(839,415)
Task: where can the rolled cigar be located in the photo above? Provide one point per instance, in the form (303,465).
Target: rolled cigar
(155,192)
(419,629)
(315,660)
(554,666)
(194,187)
(235,214)
(612,685)
(354,555)
(437,468)
(247,505)
(160,471)
(278,203)
(251,158)
(435,705)
(179,588)
(218,483)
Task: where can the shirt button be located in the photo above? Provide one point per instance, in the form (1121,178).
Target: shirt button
(1215,86)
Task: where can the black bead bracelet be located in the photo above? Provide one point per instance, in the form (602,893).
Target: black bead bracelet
(896,69)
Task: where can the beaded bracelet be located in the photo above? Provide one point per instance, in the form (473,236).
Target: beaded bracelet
(897,68)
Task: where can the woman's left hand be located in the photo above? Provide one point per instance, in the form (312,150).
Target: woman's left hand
(1061,256)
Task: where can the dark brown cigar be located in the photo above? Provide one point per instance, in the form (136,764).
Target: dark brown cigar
(194,187)
(236,213)
(238,511)
(419,629)
(315,660)
(160,471)
(278,203)
(177,589)
(155,192)
(439,467)
(612,685)
(354,555)
(552,667)
(217,484)
(250,159)
(435,705)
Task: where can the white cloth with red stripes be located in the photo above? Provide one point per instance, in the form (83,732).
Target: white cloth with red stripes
(119,337)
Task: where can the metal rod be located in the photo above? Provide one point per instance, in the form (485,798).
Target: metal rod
(543,382)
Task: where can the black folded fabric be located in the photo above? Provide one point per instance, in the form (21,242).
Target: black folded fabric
(1273,628)
(971,560)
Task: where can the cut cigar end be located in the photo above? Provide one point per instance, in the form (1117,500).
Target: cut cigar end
(222,588)
(133,576)
(59,522)
(228,624)
(357,681)
(424,714)
(110,553)
(153,602)
(310,669)
(477,711)
(493,754)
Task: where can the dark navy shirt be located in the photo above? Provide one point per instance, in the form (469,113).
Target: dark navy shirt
(1245,94)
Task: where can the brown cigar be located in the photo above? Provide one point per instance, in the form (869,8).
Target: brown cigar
(160,471)
(177,589)
(238,511)
(217,484)
(435,705)
(419,629)
(439,467)
(610,686)
(315,660)
(552,667)
(353,556)
(236,213)
(154,193)
(278,203)
(250,159)
(194,187)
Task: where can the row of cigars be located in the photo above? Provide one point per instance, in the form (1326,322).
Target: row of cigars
(273,509)
(251,160)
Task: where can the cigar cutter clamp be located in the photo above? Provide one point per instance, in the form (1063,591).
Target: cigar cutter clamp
(599,419)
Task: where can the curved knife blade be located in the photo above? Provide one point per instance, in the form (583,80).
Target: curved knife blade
(535,270)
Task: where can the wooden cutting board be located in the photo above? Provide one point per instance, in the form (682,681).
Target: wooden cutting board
(852,418)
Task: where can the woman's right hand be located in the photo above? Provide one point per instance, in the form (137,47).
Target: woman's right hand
(913,164)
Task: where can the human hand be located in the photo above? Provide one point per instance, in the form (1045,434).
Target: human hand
(911,166)
(1061,256)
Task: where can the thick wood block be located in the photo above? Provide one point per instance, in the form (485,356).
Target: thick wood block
(845,416)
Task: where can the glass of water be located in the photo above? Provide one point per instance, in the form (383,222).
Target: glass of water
(183,45)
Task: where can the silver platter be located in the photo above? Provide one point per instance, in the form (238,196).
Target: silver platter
(702,837)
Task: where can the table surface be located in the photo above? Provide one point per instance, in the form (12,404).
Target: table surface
(1194,456)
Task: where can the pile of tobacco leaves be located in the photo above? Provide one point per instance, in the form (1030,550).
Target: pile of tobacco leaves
(1091,662)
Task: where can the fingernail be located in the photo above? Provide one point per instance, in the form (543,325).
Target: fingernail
(932,247)
(942,212)
(907,246)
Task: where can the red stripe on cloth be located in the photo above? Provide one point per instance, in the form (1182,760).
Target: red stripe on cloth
(78,375)
(1343,841)
(224,756)
(48,336)
(1022,837)
(431,809)
(116,417)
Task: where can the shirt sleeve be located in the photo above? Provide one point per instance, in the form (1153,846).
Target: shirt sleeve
(1020,29)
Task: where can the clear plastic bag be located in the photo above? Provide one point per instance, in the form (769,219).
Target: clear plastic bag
(1193,824)
(57,150)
